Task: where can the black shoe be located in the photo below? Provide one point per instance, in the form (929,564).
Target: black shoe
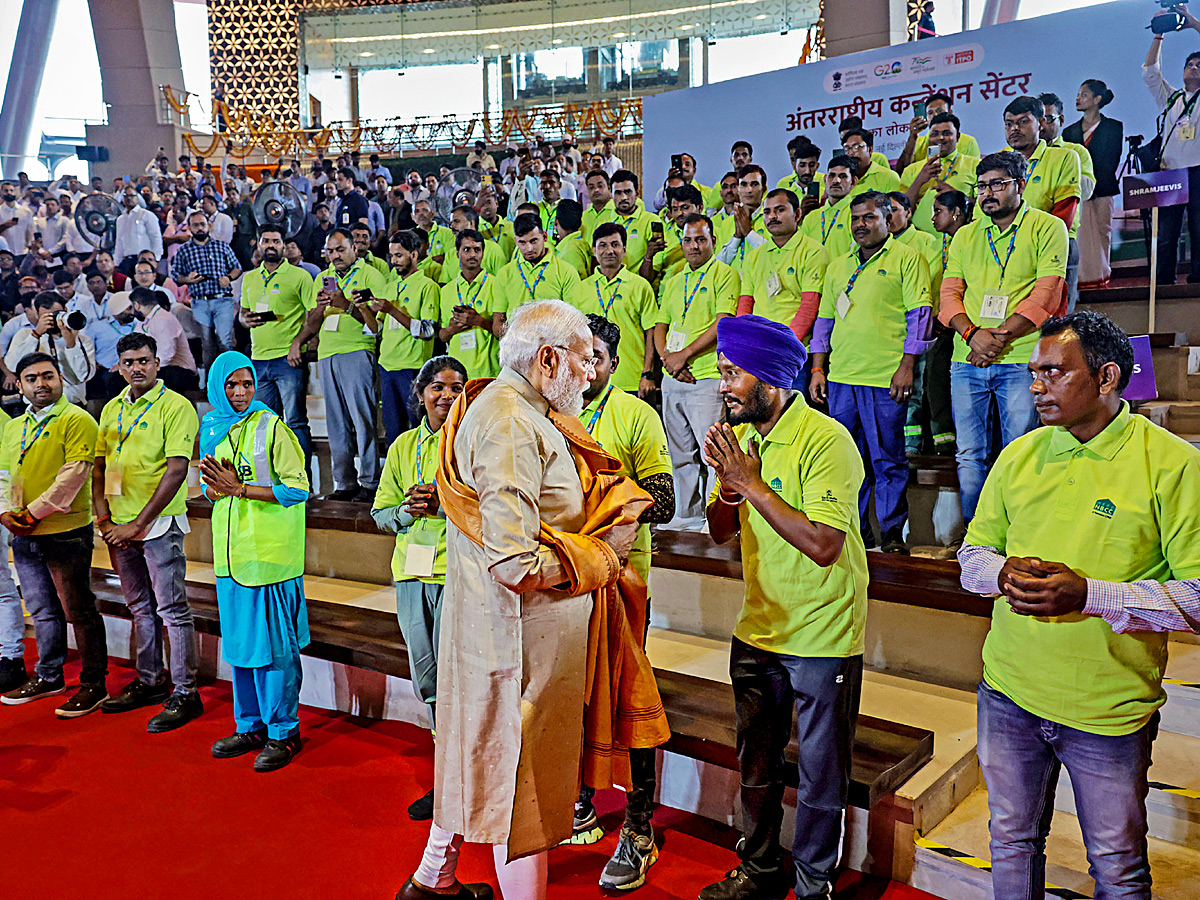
(421,810)
(365,495)
(737,885)
(585,829)
(12,674)
(87,699)
(135,695)
(342,495)
(277,754)
(413,891)
(893,542)
(627,868)
(34,689)
(240,743)
(177,711)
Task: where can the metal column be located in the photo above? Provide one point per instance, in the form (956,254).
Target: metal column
(30,48)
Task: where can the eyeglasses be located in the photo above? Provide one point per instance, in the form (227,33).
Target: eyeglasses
(854,148)
(589,362)
(993,187)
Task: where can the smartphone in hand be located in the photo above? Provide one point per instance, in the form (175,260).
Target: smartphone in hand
(330,284)
(919,109)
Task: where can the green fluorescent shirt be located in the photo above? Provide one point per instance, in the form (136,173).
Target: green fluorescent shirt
(1039,251)
(759,227)
(830,227)
(421,298)
(1052,176)
(966,144)
(691,303)
(1087,169)
(867,345)
(669,261)
(482,360)
(792,183)
(519,282)
(493,261)
(290,293)
(501,234)
(637,234)
(399,474)
(930,248)
(629,429)
(1121,507)
(158,425)
(441,241)
(800,265)
(575,251)
(877,178)
(628,302)
(793,606)
(958,171)
(348,334)
(380,265)
(593,216)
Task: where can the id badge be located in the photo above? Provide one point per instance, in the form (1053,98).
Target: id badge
(331,322)
(393,324)
(1187,132)
(262,306)
(420,552)
(16,493)
(114,479)
(843,304)
(676,341)
(466,340)
(773,285)
(994,306)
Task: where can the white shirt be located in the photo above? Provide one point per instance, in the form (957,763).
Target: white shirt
(138,230)
(17,236)
(611,164)
(220,227)
(1177,153)
(76,242)
(78,363)
(54,232)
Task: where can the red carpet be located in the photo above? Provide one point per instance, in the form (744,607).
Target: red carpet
(97,808)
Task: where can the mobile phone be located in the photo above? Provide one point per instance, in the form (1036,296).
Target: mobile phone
(935,150)
(267,316)
(677,161)
(330,284)
(363,296)
(487,178)
(919,109)
(656,228)
(813,189)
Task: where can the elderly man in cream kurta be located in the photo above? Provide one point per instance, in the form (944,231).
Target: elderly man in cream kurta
(513,649)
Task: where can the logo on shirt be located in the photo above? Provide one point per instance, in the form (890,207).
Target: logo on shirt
(1036,178)
(829,497)
(776,484)
(791,270)
(1105,508)
(703,290)
(882,271)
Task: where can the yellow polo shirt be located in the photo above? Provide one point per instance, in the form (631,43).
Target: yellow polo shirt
(290,293)
(476,349)
(691,302)
(877,178)
(520,282)
(830,226)
(1039,249)
(966,144)
(441,240)
(868,340)
(593,216)
(669,261)
(958,171)
(1087,169)
(1122,508)
(637,233)
(493,261)
(777,276)
(629,429)
(930,248)
(628,302)
(501,234)
(402,469)
(793,606)
(575,251)
(1052,176)
(64,434)
(340,331)
(420,297)
(792,183)
(758,226)
(137,438)
(378,264)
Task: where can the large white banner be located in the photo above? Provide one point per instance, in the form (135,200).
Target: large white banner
(982,70)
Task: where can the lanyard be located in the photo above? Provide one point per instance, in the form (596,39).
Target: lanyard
(1011,243)
(862,265)
(1033,165)
(832,222)
(420,479)
(945,248)
(687,299)
(599,410)
(349,279)
(267,280)
(605,307)
(121,439)
(545,268)
(25,448)
(478,287)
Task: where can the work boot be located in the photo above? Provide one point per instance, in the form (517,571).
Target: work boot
(12,674)
(177,711)
(239,744)
(135,695)
(277,754)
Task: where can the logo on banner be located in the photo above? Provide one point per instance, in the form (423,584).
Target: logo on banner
(893,68)
(959,57)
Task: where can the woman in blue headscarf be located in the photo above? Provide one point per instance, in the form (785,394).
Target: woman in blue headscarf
(253,471)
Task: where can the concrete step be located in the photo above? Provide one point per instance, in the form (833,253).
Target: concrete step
(1181,714)
(952,860)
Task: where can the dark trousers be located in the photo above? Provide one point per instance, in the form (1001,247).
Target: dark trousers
(876,422)
(399,412)
(824,691)
(1170,227)
(56,581)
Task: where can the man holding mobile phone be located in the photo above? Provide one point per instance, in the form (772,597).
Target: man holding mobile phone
(946,168)
(916,147)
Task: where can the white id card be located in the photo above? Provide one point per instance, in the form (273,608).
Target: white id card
(393,324)
(16,493)
(418,559)
(994,306)
(773,285)
(331,322)
(114,478)
(466,340)
(1187,132)
(676,341)
(843,304)
(262,306)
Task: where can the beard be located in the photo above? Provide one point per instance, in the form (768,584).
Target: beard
(272,255)
(755,410)
(565,393)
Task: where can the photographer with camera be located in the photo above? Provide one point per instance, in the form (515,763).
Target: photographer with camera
(1179,147)
(58,334)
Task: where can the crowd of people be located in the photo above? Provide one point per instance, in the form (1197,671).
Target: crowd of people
(757,363)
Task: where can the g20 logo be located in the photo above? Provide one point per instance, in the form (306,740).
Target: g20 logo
(892,68)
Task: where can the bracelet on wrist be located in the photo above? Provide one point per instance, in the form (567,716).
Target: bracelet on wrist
(818,369)
(727,496)
(969,333)
(100,520)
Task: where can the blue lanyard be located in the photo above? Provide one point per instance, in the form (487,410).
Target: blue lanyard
(349,277)
(1012,240)
(832,222)
(862,265)
(945,247)
(120,411)
(687,299)
(267,280)
(545,267)
(478,287)
(604,308)
(1033,164)
(599,410)
(25,448)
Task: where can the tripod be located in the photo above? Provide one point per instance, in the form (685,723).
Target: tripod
(1133,166)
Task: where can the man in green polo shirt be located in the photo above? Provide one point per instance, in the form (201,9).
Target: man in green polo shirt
(1049,131)
(875,319)
(536,273)
(749,230)
(276,298)
(466,311)
(916,147)
(1005,275)
(550,183)
(1086,530)
(947,169)
(361,232)
(829,224)
(664,252)
(600,202)
(627,300)
(805,158)
(495,228)
(139,495)
(631,214)
(46,460)
(723,215)
(571,245)
(441,238)
(409,312)
(789,481)
(858,143)
(346,328)
(463,218)
(685,337)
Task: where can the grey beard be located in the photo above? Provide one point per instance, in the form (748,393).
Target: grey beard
(564,395)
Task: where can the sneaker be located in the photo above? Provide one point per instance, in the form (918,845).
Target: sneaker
(634,856)
(893,542)
(737,885)
(85,700)
(34,689)
(177,711)
(342,495)
(365,495)
(240,743)
(12,674)
(277,754)
(135,695)
(421,810)
(586,827)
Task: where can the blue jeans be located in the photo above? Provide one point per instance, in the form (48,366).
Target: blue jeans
(12,618)
(215,317)
(876,422)
(972,391)
(283,388)
(398,408)
(1021,755)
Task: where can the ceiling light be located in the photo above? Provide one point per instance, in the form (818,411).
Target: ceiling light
(429,50)
(556,41)
(619,34)
(366,53)
(493,47)
(686,27)
(761,16)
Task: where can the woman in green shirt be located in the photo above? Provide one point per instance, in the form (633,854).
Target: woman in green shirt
(407,504)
